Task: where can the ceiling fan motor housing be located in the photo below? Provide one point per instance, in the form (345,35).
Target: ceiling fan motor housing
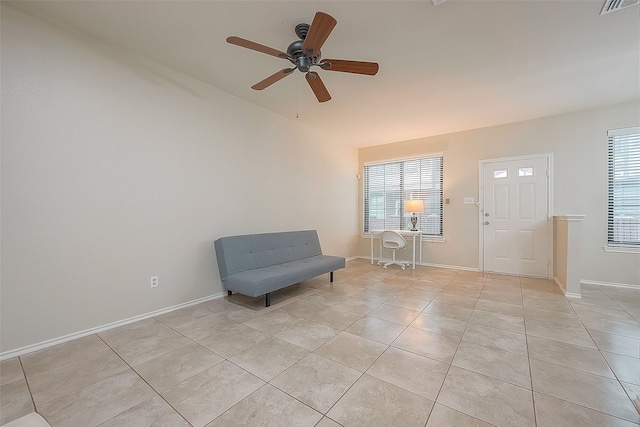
(297,57)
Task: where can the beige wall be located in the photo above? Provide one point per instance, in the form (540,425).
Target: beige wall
(578,143)
(115,169)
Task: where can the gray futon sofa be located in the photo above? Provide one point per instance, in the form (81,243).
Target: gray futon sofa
(258,264)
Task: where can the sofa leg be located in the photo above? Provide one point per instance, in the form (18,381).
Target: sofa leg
(331,277)
(267,300)
(229,293)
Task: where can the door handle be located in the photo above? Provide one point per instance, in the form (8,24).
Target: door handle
(486,223)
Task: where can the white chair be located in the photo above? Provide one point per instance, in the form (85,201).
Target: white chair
(394,241)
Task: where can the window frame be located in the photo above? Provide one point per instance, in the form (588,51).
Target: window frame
(623,165)
(404,221)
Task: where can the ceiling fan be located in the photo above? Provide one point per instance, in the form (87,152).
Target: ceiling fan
(305,54)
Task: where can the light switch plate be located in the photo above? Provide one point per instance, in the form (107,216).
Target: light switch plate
(469,200)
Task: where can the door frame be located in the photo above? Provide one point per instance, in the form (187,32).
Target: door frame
(481,165)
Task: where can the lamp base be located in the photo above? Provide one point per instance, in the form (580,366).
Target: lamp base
(414,221)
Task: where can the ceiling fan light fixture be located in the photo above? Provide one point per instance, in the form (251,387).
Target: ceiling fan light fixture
(303,63)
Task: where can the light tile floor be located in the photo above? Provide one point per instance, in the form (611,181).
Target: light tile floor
(426,347)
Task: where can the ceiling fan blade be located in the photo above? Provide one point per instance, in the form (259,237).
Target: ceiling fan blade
(320,29)
(318,88)
(356,67)
(238,41)
(272,79)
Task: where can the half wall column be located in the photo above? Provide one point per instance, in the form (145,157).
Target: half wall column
(567,231)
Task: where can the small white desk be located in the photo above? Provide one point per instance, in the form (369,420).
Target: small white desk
(404,233)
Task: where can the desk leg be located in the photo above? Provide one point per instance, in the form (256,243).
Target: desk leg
(420,249)
(371,239)
(414,251)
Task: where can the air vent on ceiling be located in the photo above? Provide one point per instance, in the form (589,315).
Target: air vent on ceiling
(438,2)
(613,5)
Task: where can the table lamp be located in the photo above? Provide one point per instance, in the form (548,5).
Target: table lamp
(413,206)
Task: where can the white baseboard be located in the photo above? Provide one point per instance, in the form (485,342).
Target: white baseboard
(572,295)
(564,291)
(600,283)
(593,282)
(451,267)
(424,264)
(555,279)
(48,343)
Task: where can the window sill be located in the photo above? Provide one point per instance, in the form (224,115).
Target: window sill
(433,239)
(622,249)
(424,238)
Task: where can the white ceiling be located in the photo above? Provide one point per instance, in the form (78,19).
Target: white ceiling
(457,66)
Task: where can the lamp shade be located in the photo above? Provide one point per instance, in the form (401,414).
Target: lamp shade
(413,206)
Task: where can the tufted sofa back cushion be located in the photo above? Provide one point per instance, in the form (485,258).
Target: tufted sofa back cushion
(251,251)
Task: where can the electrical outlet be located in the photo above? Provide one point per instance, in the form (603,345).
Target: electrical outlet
(154,281)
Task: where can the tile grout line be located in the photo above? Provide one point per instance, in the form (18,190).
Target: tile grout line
(24,373)
(145,381)
(388,346)
(444,379)
(526,338)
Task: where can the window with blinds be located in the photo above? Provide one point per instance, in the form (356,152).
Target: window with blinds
(624,187)
(388,185)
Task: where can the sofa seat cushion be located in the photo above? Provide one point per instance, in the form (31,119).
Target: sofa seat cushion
(260,281)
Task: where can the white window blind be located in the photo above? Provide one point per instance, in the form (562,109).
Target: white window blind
(624,187)
(388,185)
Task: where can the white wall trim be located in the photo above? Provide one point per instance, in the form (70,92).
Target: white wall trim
(566,294)
(428,264)
(572,295)
(569,217)
(452,267)
(622,249)
(54,341)
(617,285)
(555,279)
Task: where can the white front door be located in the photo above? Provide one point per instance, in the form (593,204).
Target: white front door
(515,216)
